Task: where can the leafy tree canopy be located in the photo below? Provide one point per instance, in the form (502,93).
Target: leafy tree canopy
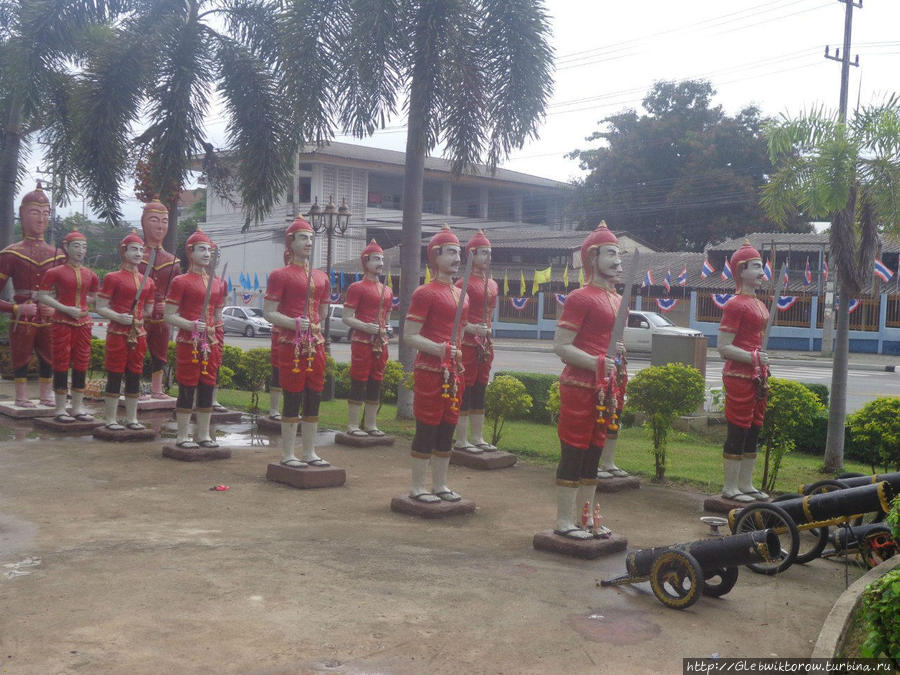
(680,176)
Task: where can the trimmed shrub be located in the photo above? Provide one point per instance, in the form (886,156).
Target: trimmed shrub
(820,390)
(537,386)
(505,398)
(393,376)
(876,427)
(810,438)
(231,357)
(552,405)
(253,370)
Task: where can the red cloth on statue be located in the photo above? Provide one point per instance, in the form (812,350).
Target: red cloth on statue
(476,370)
(120,358)
(165,268)
(746,317)
(119,288)
(71,346)
(366,364)
(363,297)
(188,292)
(590,312)
(71,286)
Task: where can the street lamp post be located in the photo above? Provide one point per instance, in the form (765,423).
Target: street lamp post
(330,220)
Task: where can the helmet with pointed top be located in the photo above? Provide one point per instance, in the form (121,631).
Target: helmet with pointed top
(300,224)
(131,238)
(74,235)
(443,238)
(371,249)
(601,236)
(36,196)
(739,260)
(478,240)
(198,237)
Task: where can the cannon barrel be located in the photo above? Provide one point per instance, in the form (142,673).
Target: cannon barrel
(711,554)
(844,538)
(838,504)
(857,481)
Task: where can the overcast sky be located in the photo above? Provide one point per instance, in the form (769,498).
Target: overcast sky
(769,53)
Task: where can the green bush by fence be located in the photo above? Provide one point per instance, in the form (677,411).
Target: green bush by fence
(538,387)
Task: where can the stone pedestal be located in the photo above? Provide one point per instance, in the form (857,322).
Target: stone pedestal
(269,426)
(308,477)
(366,441)
(172,451)
(123,435)
(167,403)
(494,459)
(441,509)
(76,427)
(618,484)
(720,504)
(579,548)
(224,417)
(10,409)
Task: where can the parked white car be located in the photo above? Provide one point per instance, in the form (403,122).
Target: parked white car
(248,321)
(642,326)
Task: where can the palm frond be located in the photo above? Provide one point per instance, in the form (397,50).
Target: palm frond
(833,173)
(881,176)
(59,137)
(786,192)
(252,23)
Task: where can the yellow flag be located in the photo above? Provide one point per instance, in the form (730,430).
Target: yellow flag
(506,283)
(427,275)
(581,276)
(543,276)
(566,277)
(389,284)
(522,282)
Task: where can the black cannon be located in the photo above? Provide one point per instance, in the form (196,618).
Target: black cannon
(678,574)
(873,543)
(811,515)
(852,480)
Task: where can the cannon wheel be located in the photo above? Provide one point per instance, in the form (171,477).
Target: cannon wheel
(727,579)
(770,516)
(876,547)
(827,485)
(812,539)
(850,474)
(676,579)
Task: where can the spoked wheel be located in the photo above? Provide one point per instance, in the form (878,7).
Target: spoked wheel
(812,540)
(719,581)
(825,486)
(876,547)
(676,579)
(773,517)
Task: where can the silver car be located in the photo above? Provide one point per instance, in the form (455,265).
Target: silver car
(338,330)
(643,325)
(248,321)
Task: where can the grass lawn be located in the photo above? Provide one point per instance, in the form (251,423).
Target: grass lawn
(690,459)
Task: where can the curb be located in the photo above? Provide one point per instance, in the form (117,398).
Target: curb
(837,623)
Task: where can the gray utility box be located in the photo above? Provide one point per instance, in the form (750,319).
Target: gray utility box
(687,349)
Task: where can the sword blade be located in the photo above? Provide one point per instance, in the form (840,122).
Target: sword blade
(462,299)
(618,329)
(774,307)
(150,260)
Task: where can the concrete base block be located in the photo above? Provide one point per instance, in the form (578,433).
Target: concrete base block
(618,484)
(495,459)
(579,548)
(442,509)
(719,504)
(309,477)
(12,410)
(362,441)
(269,426)
(124,435)
(167,403)
(172,451)
(76,427)
(226,417)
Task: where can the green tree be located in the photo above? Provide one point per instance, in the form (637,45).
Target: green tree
(848,173)
(679,176)
(663,393)
(504,398)
(876,427)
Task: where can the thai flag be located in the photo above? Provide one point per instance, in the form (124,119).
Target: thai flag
(707,269)
(721,299)
(726,271)
(882,271)
(520,303)
(767,270)
(666,304)
(561,298)
(247,298)
(785,278)
(648,279)
(785,302)
(667,282)
(853,306)
(807,275)
(395,302)
(335,297)
(682,278)
(825,270)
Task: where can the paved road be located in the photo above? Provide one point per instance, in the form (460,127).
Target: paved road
(863,385)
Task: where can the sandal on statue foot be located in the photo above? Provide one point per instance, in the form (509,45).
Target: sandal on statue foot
(377,433)
(357,432)
(208,444)
(24,403)
(187,445)
(84,417)
(294,463)
(569,533)
(218,407)
(484,446)
(739,497)
(448,496)
(421,497)
(115,426)
(64,418)
(318,461)
(135,426)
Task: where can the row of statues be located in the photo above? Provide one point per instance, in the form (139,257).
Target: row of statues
(448,323)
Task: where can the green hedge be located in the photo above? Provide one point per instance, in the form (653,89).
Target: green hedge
(820,390)
(538,387)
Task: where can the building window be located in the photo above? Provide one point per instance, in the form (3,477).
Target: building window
(304,189)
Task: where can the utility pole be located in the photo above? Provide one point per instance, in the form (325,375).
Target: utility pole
(844,59)
(52,173)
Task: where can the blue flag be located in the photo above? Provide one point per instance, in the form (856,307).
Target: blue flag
(255,282)
(342,279)
(229,285)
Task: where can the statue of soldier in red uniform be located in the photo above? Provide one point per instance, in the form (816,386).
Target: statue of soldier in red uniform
(582,341)
(366,311)
(198,350)
(477,348)
(25,262)
(296,302)
(70,289)
(126,338)
(155,224)
(438,378)
(744,375)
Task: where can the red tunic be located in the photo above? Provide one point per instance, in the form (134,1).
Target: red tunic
(590,312)
(187,292)
(25,262)
(746,317)
(433,305)
(165,268)
(71,337)
(478,370)
(364,297)
(120,289)
(287,286)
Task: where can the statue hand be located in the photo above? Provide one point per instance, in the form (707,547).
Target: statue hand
(75,312)
(455,353)
(26,310)
(371,328)
(159,309)
(302,323)
(200,326)
(125,319)
(610,366)
(620,347)
(763,358)
(481,329)
(46,311)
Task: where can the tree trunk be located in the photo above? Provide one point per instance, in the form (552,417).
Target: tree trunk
(170,241)
(837,411)
(9,165)
(410,247)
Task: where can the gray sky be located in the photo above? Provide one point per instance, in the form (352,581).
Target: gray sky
(769,53)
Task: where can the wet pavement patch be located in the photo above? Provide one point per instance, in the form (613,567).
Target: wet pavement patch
(614,626)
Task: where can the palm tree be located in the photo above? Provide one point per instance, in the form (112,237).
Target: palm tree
(849,174)
(39,41)
(474,75)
